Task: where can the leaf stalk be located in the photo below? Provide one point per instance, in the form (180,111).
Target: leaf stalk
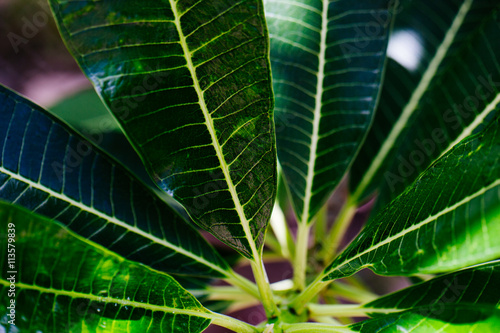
(300,260)
(344,310)
(264,286)
(338,230)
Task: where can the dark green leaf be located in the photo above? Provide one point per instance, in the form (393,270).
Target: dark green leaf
(449,218)
(475,287)
(189,82)
(486,321)
(328,61)
(86,112)
(65,283)
(428,106)
(49,169)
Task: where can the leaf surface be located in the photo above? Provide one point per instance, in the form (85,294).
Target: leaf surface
(474,287)
(189,82)
(65,283)
(442,83)
(327,60)
(449,218)
(448,321)
(52,171)
(464,301)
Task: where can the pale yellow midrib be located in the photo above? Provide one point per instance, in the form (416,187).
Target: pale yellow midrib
(477,121)
(418,225)
(210,126)
(111,219)
(317,114)
(122,302)
(415,98)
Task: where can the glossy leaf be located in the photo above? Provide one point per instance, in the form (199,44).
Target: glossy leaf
(464,301)
(50,170)
(189,82)
(328,60)
(449,218)
(449,87)
(64,283)
(450,320)
(475,287)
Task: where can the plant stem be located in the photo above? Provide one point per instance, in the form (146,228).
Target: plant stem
(338,230)
(314,328)
(300,260)
(344,310)
(352,293)
(320,224)
(243,283)
(299,302)
(228,293)
(326,320)
(232,323)
(266,294)
(281,230)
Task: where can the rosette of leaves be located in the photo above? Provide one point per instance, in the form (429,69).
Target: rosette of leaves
(215,96)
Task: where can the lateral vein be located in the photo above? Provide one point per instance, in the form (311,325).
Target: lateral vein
(211,129)
(417,95)
(420,224)
(111,219)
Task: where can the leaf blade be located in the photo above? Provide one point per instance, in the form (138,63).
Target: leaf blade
(457,218)
(460,301)
(471,286)
(488,321)
(218,98)
(43,168)
(433,106)
(64,278)
(327,69)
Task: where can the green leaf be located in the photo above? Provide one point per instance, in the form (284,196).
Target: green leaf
(475,287)
(189,82)
(49,169)
(86,112)
(449,218)
(410,321)
(328,61)
(429,106)
(64,283)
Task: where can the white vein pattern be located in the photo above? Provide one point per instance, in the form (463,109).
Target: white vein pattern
(431,113)
(325,92)
(476,285)
(443,221)
(50,170)
(87,280)
(437,303)
(206,106)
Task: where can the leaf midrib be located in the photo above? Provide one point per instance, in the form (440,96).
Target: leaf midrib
(317,114)
(415,98)
(477,121)
(211,129)
(112,219)
(74,294)
(415,226)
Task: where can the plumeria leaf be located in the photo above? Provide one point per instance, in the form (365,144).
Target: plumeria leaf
(463,301)
(48,168)
(449,218)
(451,319)
(65,283)
(475,287)
(189,83)
(327,60)
(441,85)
